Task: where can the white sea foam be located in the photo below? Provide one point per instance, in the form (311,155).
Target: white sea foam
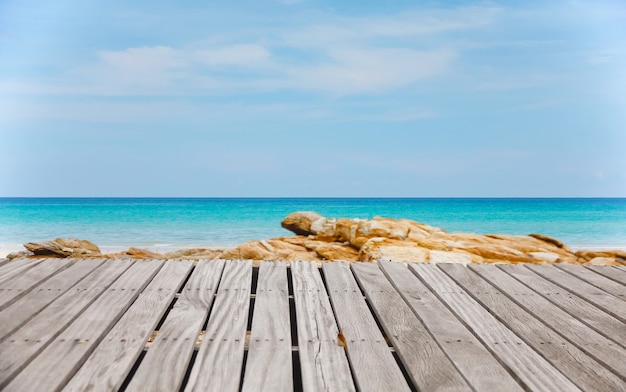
(5,249)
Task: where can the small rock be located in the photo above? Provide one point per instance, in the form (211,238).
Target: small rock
(194,254)
(70,247)
(300,222)
(437,256)
(19,255)
(602,261)
(546,257)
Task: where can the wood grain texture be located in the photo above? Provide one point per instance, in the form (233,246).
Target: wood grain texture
(425,362)
(372,363)
(220,358)
(16,267)
(600,298)
(28,341)
(269,366)
(107,367)
(532,369)
(324,365)
(601,282)
(164,366)
(548,323)
(3,262)
(11,290)
(79,339)
(616,274)
(26,307)
(480,368)
(580,309)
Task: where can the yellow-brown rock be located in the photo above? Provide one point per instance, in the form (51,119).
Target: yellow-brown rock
(275,249)
(194,254)
(300,222)
(252,250)
(545,257)
(502,253)
(343,228)
(588,255)
(603,261)
(68,247)
(137,253)
(381,248)
(324,229)
(335,251)
(438,256)
(549,240)
(379,228)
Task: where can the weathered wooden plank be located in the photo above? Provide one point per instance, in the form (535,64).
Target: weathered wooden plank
(28,341)
(481,369)
(603,300)
(269,366)
(323,362)
(529,367)
(574,363)
(13,289)
(560,322)
(16,267)
(107,367)
(616,274)
(80,338)
(3,262)
(33,302)
(425,362)
(220,358)
(166,362)
(582,310)
(373,365)
(601,282)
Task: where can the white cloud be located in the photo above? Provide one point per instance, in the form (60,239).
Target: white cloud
(405,115)
(343,56)
(143,58)
(405,25)
(290,2)
(541,104)
(242,55)
(373,70)
(520,81)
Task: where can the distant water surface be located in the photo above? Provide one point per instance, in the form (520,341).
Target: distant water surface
(164,223)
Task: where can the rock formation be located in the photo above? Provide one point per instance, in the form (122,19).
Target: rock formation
(70,247)
(326,239)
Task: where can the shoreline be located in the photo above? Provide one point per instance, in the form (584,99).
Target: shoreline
(319,238)
(6,249)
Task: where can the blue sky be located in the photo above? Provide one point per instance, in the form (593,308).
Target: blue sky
(313,98)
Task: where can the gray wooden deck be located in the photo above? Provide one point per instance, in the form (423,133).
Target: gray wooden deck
(95,325)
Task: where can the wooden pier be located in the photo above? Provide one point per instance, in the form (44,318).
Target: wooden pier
(109,325)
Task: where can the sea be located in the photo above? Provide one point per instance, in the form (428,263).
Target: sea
(165,224)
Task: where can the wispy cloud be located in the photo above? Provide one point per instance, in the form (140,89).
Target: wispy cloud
(374,70)
(344,56)
(242,55)
(290,2)
(546,103)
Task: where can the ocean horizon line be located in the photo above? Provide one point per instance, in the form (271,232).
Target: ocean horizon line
(318,197)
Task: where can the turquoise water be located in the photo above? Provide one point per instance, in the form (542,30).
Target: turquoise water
(176,223)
